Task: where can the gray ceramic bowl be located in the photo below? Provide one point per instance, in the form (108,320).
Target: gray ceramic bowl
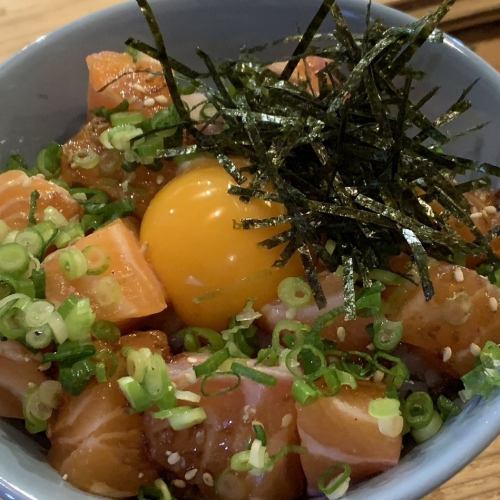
(42,98)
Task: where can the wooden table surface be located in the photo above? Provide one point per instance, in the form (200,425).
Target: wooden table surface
(22,21)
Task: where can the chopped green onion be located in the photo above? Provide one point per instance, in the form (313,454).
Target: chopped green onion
(97,259)
(304,392)
(48,161)
(398,372)
(136,395)
(47,230)
(137,362)
(240,461)
(58,327)
(100,373)
(258,455)
(37,279)
(267,357)
(260,433)
(38,404)
(369,302)
(252,374)
(108,292)
(72,263)
(418,410)
(387,334)
(213,338)
(156,379)
(345,378)
(332,381)
(386,277)
(119,137)
(69,353)
(39,338)
(182,417)
(85,159)
(422,434)
(211,364)
(52,215)
(334,482)
(38,313)
(309,359)
(31,240)
(14,259)
(127,118)
(384,408)
(75,378)
(78,316)
(18,285)
(359,364)
(68,234)
(296,328)
(447,408)
(189,396)
(216,375)
(105,330)
(163,488)
(295,293)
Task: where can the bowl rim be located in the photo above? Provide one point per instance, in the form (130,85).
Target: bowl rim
(450,462)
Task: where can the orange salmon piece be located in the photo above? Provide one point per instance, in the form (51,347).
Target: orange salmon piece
(462,311)
(208,446)
(115,77)
(339,429)
(18,368)
(15,193)
(140,186)
(136,292)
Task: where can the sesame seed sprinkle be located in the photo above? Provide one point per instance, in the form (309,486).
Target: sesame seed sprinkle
(475,350)
(378,376)
(139,88)
(341,333)
(173,458)
(190,474)
(160,179)
(161,99)
(140,475)
(208,479)
(179,483)
(149,102)
(493,303)
(65,477)
(477,215)
(447,352)
(370,347)
(490,210)
(458,274)
(286,420)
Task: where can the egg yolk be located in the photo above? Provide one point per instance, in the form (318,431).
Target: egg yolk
(209,268)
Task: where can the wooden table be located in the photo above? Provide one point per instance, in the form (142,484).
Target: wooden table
(22,21)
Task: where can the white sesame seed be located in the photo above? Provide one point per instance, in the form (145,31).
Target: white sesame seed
(475,350)
(291,313)
(490,210)
(208,479)
(65,477)
(378,376)
(191,359)
(447,352)
(161,99)
(150,76)
(31,385)
(139,88)
(168,453)
(199,436)
(140,475)
(179,483)
(173,458)
(45,366)
(477,215)
(370,347)
(149,102)
(341,333)
(458,274)
(190,474)
(286,420)
(493,303)
(160,179)
(26,359)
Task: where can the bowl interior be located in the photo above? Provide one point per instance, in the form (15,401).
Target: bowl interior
(43,99)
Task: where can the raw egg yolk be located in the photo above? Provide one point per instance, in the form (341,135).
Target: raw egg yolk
(209,268)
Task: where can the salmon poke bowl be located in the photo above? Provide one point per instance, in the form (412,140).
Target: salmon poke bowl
(251,259)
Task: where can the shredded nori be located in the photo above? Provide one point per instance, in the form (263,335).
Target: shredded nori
(354,160)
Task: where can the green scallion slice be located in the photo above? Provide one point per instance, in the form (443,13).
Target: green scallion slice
(105,330)
(98,259)
(295,293)
(255,375)
(85,159)
(31,240)
(387,334)
(422,434)
(136,395)
(72,263)
(304,392)
(39,338)
(182,417)
(334,482)
(418,409)
(211,364)
(38,313)
(14,259)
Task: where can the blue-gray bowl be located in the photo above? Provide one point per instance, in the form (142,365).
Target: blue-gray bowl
(43,90)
